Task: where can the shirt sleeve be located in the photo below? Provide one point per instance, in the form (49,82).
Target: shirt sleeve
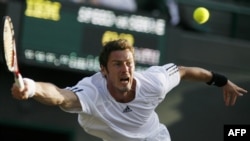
(172,74)
(86,93)
(159,80)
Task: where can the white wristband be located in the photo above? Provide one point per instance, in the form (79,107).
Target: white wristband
(31,86)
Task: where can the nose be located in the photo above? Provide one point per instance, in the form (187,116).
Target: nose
(125,67)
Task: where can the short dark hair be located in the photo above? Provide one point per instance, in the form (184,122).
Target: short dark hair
(114,45)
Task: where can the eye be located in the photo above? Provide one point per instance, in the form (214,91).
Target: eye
(130,63)
(117,64)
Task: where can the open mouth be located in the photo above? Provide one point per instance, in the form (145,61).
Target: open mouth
(124,80)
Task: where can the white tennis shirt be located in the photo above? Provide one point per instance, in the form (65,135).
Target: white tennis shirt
(137,120)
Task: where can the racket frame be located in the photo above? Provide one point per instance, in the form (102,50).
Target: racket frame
(13,65)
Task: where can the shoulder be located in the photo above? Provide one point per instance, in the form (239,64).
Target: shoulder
(91,80)
(159,77)
(157,72)
(167,68)
(90,89)
(89,86)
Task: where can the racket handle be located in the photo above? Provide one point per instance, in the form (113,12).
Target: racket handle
(19,81)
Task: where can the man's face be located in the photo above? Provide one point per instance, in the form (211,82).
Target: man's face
(120,71)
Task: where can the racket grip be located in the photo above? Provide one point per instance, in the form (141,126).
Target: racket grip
(19,81)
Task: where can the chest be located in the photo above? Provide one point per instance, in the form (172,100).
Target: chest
(132,114)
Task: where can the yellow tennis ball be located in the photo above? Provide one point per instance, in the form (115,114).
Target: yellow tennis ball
(201,15)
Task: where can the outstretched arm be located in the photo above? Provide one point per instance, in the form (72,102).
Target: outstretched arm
(230,90)
(46,93)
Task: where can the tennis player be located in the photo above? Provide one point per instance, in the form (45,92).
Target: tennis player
(117,103)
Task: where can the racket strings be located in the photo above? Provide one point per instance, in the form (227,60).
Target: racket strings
(9,45)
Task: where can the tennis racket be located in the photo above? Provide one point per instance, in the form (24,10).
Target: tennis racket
(9,50)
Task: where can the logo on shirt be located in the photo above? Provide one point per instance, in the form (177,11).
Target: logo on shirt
(75,89)
(127,109)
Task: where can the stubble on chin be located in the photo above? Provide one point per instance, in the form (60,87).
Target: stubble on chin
(125,89)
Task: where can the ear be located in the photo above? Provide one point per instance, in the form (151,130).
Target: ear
(103,70)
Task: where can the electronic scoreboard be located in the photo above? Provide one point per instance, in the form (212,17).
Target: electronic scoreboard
(70,36)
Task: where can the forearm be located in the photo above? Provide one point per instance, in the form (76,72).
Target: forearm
(195,74)
(203,75)
(48,94)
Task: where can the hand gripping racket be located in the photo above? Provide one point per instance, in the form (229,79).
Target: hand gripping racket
(9,50)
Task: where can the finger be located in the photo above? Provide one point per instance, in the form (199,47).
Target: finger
(243,91)
(20,96)
(240,94)
(226,99)
(17,93)
(233,100)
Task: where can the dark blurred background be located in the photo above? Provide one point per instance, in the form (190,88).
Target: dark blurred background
(192,111)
